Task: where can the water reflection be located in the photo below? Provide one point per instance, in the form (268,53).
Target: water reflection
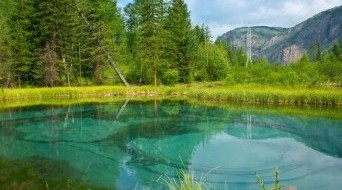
(135,144)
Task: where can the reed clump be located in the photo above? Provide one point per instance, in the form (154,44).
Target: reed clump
(186,181)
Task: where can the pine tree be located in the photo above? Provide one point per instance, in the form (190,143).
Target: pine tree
(23,69)
(71,36)
(179,51)
(45,21)
(314,51)
(337,50)
(198,34)
(133,33)
(5,53)
(151,34)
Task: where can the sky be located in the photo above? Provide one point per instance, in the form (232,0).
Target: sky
(224,15)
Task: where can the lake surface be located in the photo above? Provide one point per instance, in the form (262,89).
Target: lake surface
(142,145)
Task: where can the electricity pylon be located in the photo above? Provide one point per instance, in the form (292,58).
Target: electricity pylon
(249,47)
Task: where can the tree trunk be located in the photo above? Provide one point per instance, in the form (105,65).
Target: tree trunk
(67,70)
(98,73)
(54,56)
(50,58)
(8,79)
(154,72)
(80,63)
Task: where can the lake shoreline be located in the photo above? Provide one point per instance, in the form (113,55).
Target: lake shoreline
(244,94)
(237,97)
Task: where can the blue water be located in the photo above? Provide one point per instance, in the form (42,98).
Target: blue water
(142,145)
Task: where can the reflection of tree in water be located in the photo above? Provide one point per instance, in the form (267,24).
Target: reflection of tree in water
(40,173)
(150,138)
(58,136)
(159,153)
(163,142)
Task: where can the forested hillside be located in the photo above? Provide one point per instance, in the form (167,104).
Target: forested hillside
(81,42)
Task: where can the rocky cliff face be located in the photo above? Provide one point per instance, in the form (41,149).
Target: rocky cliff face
(288,44)
(291,53)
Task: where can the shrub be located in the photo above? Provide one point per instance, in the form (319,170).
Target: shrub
(170,77)
(276,185)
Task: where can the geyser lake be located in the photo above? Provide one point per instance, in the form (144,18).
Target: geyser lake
(144,145)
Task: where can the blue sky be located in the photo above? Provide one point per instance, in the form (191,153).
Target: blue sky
(224,15)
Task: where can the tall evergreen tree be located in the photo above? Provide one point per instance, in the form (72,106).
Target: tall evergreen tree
(337,50)
(72,35)
(5,53)
(46,22)
(133,33)
(132,27)
(314,51)
(179,50)
(22,32)
(151,35)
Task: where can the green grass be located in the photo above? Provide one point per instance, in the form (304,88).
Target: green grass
(276,184)
(186,181)
(249,94)
(216,92)
(61,93)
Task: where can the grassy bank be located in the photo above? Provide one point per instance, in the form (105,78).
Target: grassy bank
(245,94)
(253,94)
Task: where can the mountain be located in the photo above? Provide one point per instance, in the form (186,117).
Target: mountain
(288,44)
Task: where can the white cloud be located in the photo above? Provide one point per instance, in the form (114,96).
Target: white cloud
(218,29)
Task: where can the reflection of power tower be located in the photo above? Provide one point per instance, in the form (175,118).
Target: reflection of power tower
(249,126)
(249,47)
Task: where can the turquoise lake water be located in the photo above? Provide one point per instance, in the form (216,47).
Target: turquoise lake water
(142,145)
